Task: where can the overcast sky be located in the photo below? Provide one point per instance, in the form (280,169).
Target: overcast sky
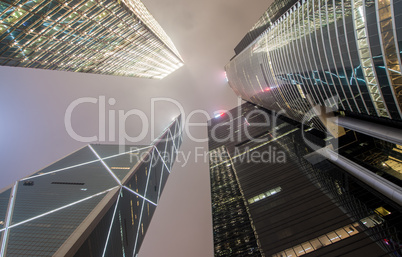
(33,104)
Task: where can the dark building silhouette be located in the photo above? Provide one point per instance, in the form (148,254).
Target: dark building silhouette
(274,195)
(97,201)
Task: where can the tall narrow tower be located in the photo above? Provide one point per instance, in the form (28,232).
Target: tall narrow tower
(97,201)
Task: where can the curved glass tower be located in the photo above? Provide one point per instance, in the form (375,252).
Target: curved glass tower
(344,55)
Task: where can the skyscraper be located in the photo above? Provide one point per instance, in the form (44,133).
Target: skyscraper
(97,201)
(315,165)
(272,195)
(344,55)
(103,37)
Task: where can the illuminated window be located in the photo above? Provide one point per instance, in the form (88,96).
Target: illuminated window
(120,168)
(264,195)
(321,241)
(382,211)
(300,91)
(132,212)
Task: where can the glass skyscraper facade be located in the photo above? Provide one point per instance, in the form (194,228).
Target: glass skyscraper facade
(271,196)
(345,55)
(314,157)
(97,201)
(103,37)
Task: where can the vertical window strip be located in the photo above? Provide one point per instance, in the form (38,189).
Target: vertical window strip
(343,97)
(347,10)
(385,23)
(366,59)
(289,57)
(311,56)
(323,11)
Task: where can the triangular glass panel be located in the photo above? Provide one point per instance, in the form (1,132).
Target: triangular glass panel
(46,234)
(80,157)
(45,193)
(122,164)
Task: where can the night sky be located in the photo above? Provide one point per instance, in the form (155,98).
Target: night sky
(33,105)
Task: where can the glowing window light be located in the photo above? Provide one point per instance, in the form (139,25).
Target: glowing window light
(264,195)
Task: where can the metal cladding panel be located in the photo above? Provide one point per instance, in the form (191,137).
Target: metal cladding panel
(43,236)
(55,190)
(4,200)
(79,157)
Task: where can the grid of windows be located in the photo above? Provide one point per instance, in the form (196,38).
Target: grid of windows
(103,37)
(233,229)
(317,204)
(338,54)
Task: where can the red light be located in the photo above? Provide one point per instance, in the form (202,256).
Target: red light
(219,114)
(267,89)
